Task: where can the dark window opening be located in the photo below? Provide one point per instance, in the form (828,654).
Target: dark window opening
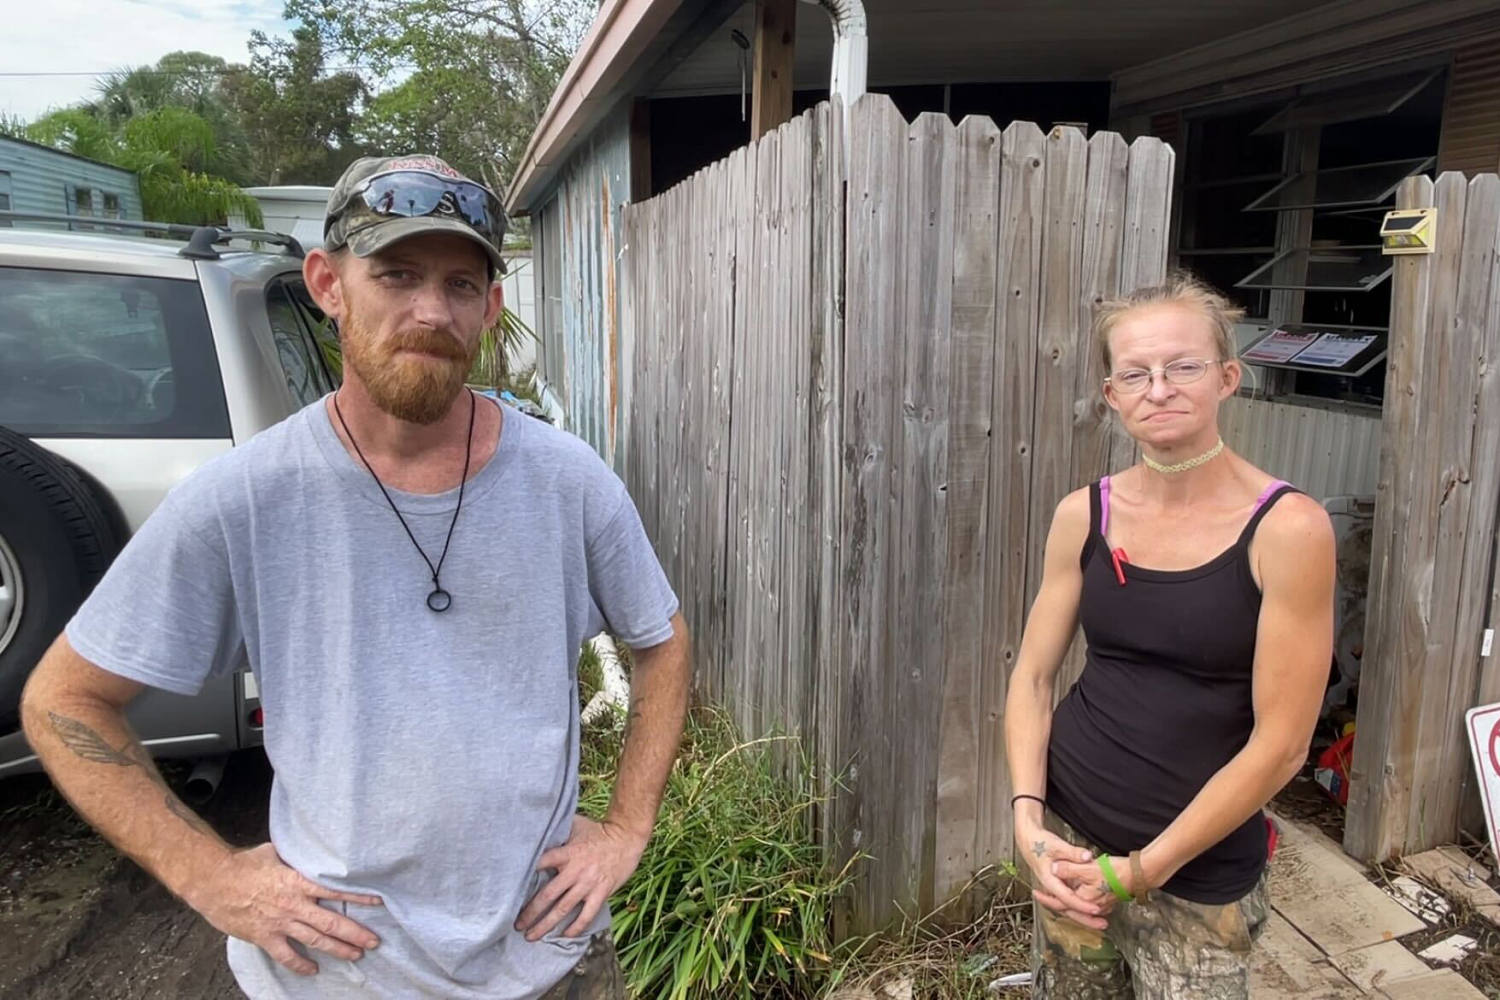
(1243,213)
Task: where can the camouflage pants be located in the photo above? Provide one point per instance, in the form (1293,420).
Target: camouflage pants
(1164,949)
(597,975)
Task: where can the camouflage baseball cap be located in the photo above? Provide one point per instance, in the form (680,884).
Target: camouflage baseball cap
(381,200)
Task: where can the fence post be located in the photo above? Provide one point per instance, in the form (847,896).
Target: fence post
(1431,565)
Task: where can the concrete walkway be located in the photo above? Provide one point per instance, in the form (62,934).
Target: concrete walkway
(1333,933)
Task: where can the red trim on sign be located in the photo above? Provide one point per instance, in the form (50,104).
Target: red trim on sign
(1494,754)
(1495,746)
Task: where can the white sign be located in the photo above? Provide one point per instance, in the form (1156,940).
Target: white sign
(1484,742)
(1280,346)
(1334,350)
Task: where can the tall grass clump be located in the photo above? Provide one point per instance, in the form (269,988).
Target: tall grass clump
(732,899)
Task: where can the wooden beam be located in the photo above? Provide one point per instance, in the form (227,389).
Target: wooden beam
(775,45)
(640,150)
(1293,232)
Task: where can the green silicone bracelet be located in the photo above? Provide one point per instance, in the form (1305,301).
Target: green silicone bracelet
(1112,880)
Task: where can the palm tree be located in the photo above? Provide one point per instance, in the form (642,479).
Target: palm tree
(167,148)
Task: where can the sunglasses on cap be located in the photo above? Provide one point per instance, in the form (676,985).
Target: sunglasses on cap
(411,194)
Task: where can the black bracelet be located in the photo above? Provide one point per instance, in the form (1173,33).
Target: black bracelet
(1035,798)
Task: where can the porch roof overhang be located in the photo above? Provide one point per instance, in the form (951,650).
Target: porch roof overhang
(1157,53)
(625,35)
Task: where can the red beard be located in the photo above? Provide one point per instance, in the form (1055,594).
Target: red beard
(417,388)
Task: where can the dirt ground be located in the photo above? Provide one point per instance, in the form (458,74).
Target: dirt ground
(79,921)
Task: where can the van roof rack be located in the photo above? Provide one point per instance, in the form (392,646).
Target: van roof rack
(202,241)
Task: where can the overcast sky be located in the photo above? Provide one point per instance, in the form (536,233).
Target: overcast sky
(97,36)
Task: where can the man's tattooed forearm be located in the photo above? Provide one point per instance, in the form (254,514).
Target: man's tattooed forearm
(1039,848)
(187,815)
(86,742)
(637,710)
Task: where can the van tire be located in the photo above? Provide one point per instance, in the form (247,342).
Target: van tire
(58,536)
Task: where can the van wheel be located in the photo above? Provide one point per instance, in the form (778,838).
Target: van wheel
(56,539)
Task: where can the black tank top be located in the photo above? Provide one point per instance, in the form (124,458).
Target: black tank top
(1164,702)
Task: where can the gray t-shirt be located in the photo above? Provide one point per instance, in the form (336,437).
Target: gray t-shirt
(427,758)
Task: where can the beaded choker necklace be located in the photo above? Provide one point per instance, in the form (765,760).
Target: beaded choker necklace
(1186,464)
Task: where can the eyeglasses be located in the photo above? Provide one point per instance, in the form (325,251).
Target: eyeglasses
(1183,371)
(415,193)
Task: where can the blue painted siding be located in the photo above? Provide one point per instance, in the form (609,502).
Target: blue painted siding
(39,179)
(577,233)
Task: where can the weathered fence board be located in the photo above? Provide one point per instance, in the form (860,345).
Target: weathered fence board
(966,803)
(871,368)
(1061,340)
(1364,827)
(827,670)
(1103,227)
(925,280)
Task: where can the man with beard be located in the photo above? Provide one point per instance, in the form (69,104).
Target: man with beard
(410,569)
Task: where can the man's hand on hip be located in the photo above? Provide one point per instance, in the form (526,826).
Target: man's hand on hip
(257,897)
(596,860)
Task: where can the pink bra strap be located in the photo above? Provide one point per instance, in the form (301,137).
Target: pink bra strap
(1260,501)
(1267,493)
(1104,506)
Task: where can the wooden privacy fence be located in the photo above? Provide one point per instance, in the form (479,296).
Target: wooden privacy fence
(853,393)
(1432,577)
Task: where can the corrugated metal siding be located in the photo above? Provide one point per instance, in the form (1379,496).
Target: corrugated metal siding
(41,178)
(579,237)
(1322,452)
(551,358)
(1471,115)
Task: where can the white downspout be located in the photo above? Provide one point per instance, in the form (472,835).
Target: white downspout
(851,55)
(851,49)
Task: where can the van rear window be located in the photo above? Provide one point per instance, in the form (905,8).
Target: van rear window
(106,355)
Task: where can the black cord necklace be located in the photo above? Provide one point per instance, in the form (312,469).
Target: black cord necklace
(439,599)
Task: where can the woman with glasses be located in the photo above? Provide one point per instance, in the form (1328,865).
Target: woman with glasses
(1204,587)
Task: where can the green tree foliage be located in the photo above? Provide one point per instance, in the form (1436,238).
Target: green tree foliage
(12,126)
(467,79)
(477,73)
(191,81)
(299,122)
(76,131)
(162,147)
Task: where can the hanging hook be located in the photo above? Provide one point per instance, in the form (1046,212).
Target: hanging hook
(744,55)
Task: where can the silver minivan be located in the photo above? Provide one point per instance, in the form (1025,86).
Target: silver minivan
(125,363)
